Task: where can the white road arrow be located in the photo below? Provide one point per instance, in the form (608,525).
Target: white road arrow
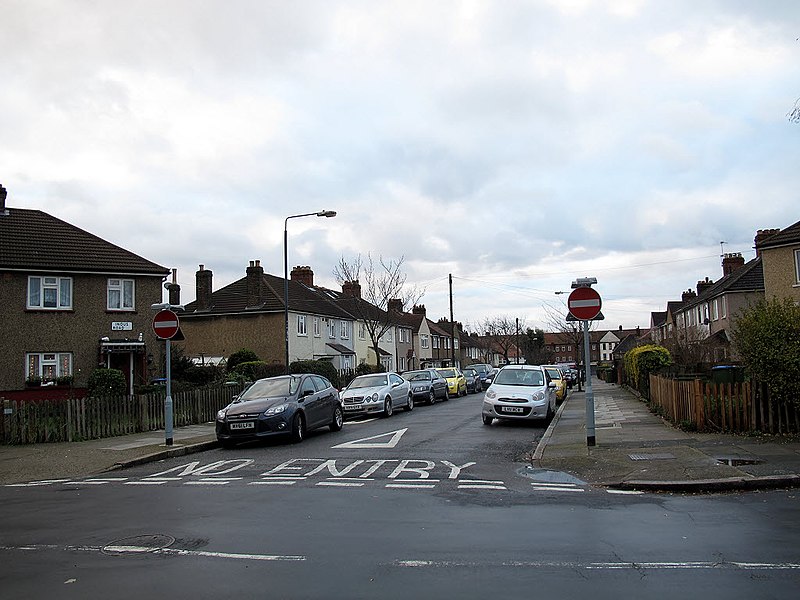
(391,438)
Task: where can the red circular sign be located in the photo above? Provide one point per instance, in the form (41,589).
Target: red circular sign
(166,324)
(584,303)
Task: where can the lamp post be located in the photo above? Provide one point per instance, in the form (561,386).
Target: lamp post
(321,213)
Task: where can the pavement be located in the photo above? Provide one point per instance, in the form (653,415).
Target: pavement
(634,449)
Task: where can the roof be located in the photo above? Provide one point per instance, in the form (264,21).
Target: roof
(340,348)
(747,278)
(33,240)
(657,319)
(790,235)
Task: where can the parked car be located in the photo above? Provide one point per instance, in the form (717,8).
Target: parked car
(473,379)
(520,392)
(286,405)
(483,370)
(377,393)
(456,383)
(427,385)
(558,376)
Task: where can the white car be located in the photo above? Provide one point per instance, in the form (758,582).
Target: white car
(520,392)
(377,393)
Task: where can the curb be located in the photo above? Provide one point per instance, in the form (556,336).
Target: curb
(545,439)
(766,482)
(162,454)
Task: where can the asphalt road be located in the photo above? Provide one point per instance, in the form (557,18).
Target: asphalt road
(427,504)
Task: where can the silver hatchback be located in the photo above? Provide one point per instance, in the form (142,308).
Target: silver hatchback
(520,392)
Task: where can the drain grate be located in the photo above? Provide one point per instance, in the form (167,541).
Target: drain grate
(661,456)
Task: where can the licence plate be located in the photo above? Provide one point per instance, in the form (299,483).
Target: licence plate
(244,425)
(352,407)
(513,409)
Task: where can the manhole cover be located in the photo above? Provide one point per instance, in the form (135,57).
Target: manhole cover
(661,456)
(139,544)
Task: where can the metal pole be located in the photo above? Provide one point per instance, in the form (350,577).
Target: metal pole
(452,327)
(590,434)
(168,400)
(516,341)
(286,295)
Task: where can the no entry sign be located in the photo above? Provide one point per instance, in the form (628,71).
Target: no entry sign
(166,324)
(584,303)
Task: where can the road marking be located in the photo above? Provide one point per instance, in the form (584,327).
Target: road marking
(85,482)
(410,486)
(601,566)
(144,482)
(277,482)
(626,492)
(37,483)
(481,484)
(168,551)
(556,487)
(340,484)
(394,438)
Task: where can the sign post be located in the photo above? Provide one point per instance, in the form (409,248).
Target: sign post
(584,304)
(165,325)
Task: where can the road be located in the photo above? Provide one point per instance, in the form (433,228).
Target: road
(426,504)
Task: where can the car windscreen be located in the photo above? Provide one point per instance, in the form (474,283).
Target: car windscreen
(448,373)
(367,381)
(417,376)
(519,377)
(470,372)
(554,373)
(271,388)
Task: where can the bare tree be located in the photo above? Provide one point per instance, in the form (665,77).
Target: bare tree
(570,331)
(502,332)
(794,114)
(375,294)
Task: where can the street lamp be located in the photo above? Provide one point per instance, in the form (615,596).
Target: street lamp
(321,213)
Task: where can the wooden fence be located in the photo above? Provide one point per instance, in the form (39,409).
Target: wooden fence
(730,407)
(75,419)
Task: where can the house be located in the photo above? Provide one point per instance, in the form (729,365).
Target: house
(780,256)
(421,352)
(250,313)
(71,302)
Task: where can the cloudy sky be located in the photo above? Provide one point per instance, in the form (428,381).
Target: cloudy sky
(516,145)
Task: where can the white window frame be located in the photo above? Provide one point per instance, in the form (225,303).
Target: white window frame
(455,343)
(302,329)
(316,327)
(43,283)
(362,330)
(423,340)
(347,361)
(797,266)
(117,286)
(436,342)
(344,330)
(37,363)
(401,363)
(389,334)
(332,329)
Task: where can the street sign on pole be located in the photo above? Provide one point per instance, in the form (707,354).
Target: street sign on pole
(584,303)
(166,324)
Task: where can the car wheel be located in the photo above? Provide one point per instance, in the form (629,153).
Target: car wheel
(550,414)
(446,394)
(465,391)
(478,388)
(487,420)
(432,397)
(410,404)
(298,428)
(387,408)
(338,419)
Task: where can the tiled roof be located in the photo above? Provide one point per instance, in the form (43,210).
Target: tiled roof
(790,235)
(657,319)
(35,240)
(747,278)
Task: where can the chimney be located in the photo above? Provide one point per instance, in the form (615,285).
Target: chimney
(303,275)
(638,331)
(203,289)
(352,289)
(3,196)
(731,262)
(762,235)
(395,305)
(255,284)
(688,295)
(620,327)
(174,289)
(702,286)
(419,309)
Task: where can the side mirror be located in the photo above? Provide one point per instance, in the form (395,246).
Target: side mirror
(307,393)
(552,384)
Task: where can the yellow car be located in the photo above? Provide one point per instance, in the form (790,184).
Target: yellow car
(456,382)
(557,376)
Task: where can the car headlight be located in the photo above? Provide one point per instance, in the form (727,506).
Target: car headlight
(221,414)
(373,398)
(275,410)
(491,394)
(538,396)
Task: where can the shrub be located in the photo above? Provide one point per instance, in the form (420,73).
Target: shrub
(107,382)
(318,367)
(257,369)
(240,356)
(643,360)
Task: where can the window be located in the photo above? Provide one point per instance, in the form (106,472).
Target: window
(715,309)
(797,265)
(423,340)
(347,361)
(402,363)
(724,306)
(455,343)
(301,325)
(362,331)
(120,294)
(50,292)
(48,366)
(435,341)
(569,348)
(405,335)
(331,328)
(316,326)
(447,343)
(344,330)
(389,335)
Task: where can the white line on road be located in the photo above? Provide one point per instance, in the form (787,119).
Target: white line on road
(144,482)
(462,486)
(721,565)
(151,550)
(276,482)
(37,483)
(409,486)
(340,484)
(625,492)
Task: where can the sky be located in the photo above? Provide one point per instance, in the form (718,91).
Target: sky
(515,145)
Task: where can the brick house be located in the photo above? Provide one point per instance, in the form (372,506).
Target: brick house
(71,302)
